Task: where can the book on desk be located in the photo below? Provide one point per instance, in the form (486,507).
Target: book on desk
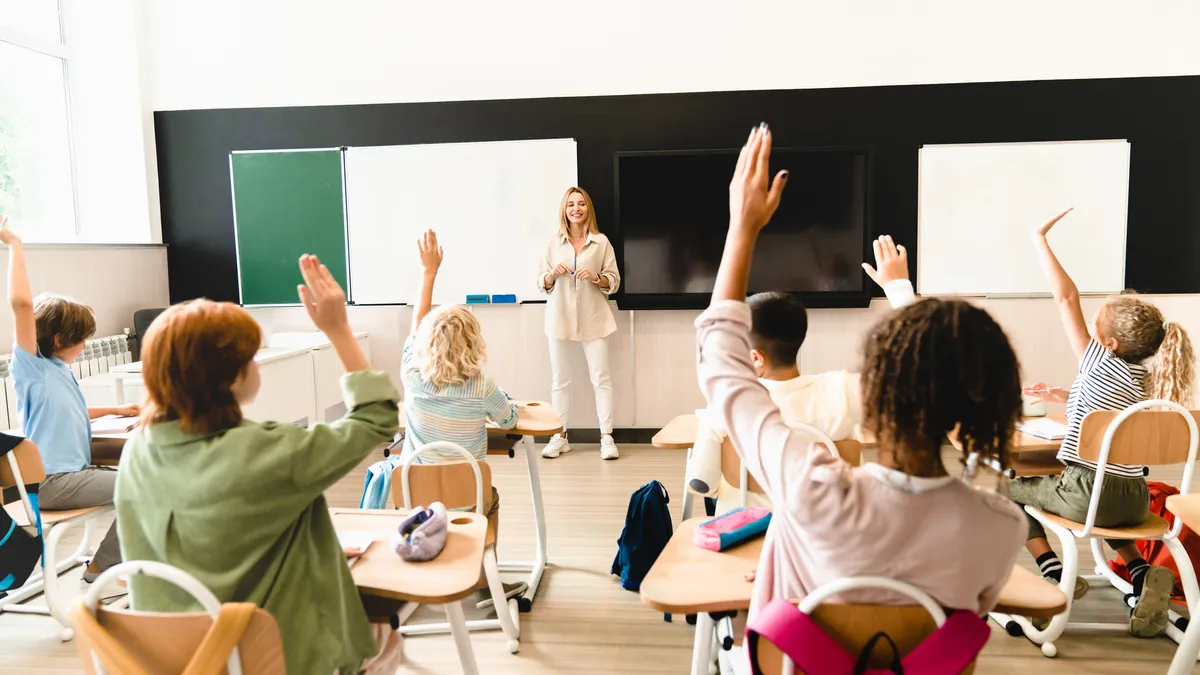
(1043,427)
(113,424)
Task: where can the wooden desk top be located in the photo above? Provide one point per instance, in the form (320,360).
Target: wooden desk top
(451,576)
(534,418)
(679,434)
(687,579)
(1187,508)
(1025,442)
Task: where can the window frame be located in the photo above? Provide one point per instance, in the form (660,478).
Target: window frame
(62,52)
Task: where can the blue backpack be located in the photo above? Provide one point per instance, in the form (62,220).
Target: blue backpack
(19,550)
(647,531)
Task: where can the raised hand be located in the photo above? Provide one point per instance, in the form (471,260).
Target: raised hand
(753,196)
(891,261)
(7,236)
(430,251)
(1044,228)
(323,298)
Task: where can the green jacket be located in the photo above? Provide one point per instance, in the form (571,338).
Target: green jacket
(242,510)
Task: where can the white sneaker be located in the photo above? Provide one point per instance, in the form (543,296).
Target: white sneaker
(558,445)
(608,447)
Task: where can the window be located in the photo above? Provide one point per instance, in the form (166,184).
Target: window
(37,184)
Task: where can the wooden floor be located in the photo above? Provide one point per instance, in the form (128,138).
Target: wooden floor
(584,622)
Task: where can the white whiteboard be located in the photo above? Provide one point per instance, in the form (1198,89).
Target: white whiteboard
(979,204)
(493,205)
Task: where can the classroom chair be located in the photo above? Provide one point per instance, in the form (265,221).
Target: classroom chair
(449,484)
(232,637)
(853,626)
(24,467)
(1150,433)
(735,473)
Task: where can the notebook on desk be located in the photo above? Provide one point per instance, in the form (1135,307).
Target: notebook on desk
(113,424)
(1043,427)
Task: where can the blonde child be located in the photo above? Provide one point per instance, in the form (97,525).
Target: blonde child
(831,401)
(50,334)
(928,368)
(238,504)
(448,397)
(1126,335)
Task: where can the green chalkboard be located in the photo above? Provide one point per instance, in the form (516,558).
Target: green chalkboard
(286,204)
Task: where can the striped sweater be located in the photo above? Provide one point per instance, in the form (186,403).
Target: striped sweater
(1105,382)
(457,413)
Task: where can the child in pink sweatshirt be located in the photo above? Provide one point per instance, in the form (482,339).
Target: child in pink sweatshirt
(928,368)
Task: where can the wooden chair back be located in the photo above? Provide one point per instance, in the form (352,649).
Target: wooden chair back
(28,461)
(731,463)
(452,484)
(165,643)
(851,626)
(1147,437)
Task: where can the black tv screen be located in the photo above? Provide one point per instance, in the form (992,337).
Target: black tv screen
(674,213)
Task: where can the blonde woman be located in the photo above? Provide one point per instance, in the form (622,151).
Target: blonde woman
(579,272)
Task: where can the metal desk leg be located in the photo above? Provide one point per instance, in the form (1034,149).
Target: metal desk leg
(462,637)
(538,566)
(702,644)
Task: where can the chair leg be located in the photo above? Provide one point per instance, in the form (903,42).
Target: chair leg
(462,637)
(503,608)
(54,600)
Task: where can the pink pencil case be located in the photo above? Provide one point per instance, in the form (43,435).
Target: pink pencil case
(733,528)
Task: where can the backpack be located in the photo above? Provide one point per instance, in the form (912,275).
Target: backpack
(19,550)
(647,531)
(949,649)
(1155,552)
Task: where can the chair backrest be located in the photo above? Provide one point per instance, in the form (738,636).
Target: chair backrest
(29,464)
(452,483)
(168,642)
(142,319)
(1144,437)
(731,463)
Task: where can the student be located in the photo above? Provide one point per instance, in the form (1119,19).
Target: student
(238,504)
(448,397)
(50,333)
(831,402)
(928,368)
(1125,333)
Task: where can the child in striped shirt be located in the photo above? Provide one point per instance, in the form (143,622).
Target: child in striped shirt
(448,397)
(1125,333)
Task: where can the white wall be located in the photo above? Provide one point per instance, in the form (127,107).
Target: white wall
(115,280)
(245,53)
(654,371)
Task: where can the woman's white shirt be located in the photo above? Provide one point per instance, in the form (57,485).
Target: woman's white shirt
(578,310)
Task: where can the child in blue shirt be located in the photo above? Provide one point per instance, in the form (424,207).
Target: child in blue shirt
(50,334)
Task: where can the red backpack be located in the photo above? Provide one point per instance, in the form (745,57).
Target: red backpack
(1155,552)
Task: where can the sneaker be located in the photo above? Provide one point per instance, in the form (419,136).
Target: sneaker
(558,445)
(510,591)
(608,447)
(1149,617)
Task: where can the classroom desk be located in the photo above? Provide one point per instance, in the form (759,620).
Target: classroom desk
(1187,509)
(686,579)
(385,580)
(534,418)
(1030,455)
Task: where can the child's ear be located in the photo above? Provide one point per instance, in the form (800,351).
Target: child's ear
(757,358)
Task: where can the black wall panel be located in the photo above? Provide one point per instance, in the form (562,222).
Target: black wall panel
(1159,116)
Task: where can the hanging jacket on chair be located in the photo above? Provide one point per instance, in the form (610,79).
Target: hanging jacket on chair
(19,549)
(378,484)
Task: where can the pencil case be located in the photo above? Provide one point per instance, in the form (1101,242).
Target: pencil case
(732,529)
(422,535)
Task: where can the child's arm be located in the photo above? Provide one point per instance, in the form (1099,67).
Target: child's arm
(20,298)
(325,302)
(773,455)
(431,259)
(891,271)
(500,408)
(131,410)
(1066,295)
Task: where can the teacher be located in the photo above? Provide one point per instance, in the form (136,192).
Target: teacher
(579,272)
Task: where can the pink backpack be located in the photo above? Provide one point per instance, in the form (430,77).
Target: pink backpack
(948,650)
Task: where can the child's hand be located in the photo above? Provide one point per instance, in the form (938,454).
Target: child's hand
(890,259)
(1045,227)
(131,410)
(7,236)
(430,251)
(1047,393)
(753,198)
(323,298)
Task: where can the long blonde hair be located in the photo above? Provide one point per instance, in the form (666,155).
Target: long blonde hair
(450,346)
(564,225)
(1143,333)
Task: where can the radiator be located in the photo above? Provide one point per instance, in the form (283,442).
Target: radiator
(99,354)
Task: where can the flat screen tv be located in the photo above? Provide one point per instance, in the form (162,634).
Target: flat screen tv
(673,213)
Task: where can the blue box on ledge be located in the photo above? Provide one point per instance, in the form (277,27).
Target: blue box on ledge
(510,299)
(477,299)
